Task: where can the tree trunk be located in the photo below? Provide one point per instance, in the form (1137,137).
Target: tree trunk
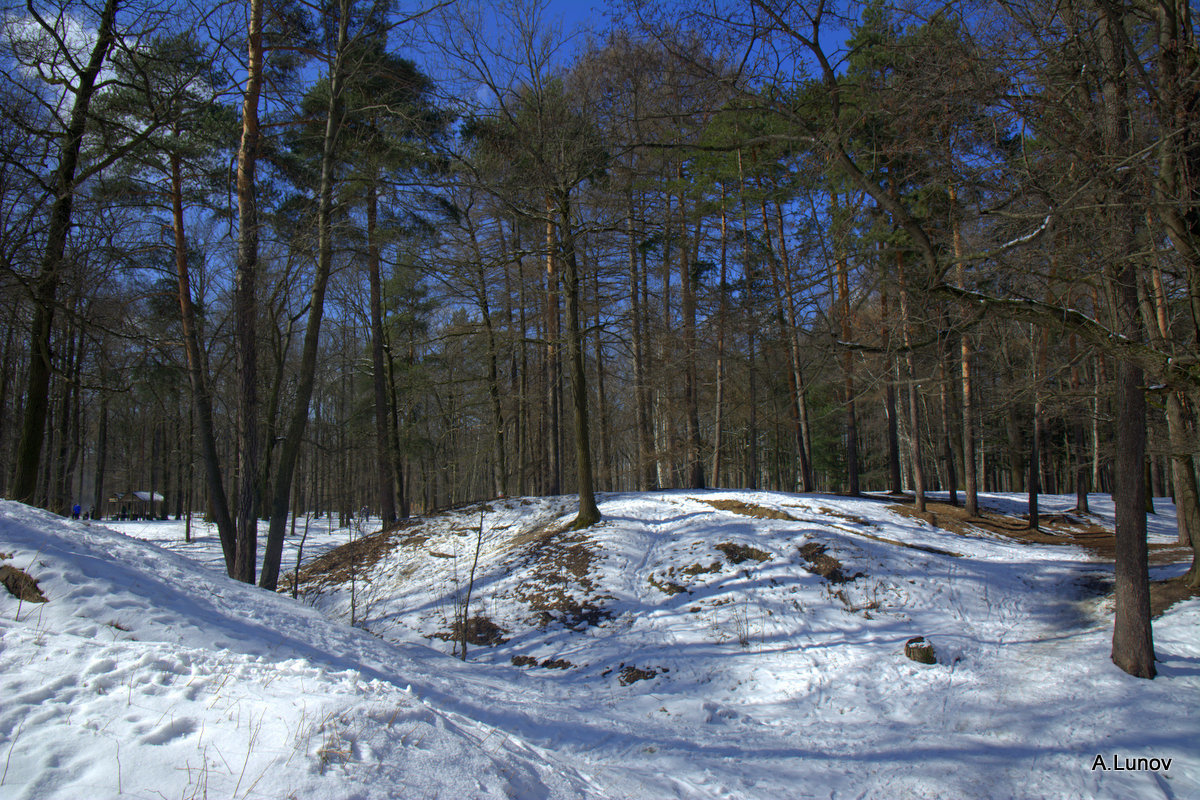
(722,321)
(1133,647)
(246,308)
(45,285)
(99,499)
(781,282)
(1187,499)
(970,478)
(645,436)
(290,449)
(498,464)
(606,462)
(691,400)
(893,422)
(523,424)
(383,450)
(847,333)
(588,514)
(947,427)
(914,410)
(804,435)
(1035,449)
(752,427)
(1016,452)
(553,382)
(1183,473)
(198,377)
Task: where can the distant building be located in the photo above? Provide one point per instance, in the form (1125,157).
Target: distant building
(135,505)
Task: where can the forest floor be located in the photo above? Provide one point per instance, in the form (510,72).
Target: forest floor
(717,644)
(1067,528)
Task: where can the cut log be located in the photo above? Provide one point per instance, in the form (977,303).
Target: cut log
(920,650)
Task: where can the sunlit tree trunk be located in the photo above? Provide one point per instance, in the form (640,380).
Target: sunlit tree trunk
(246,308)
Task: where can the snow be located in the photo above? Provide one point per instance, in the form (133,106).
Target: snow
(148,674)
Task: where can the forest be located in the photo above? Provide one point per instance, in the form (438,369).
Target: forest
(263,258)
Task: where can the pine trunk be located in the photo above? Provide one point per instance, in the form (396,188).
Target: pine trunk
(246,310)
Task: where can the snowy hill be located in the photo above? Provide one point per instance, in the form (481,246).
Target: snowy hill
(695,645)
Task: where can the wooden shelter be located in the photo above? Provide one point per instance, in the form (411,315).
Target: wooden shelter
(135,505)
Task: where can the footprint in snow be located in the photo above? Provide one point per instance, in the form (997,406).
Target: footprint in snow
(175,729)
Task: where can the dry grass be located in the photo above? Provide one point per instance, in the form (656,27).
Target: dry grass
(737,553)
(632,674)
(561,587)
(1063,529)
(823,564)
(666,586)
(20,585)
(481,632)
(1057,529)
(1164,594)
(354,559)
(748,509)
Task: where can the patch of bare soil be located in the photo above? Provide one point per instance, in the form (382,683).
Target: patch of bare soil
(825,565)
(666,586)
(549,663)
(1065,529)
(632,674)
(20,585)
(561,588)
(748,509)
(354,559)
(1164,594)
(737,553)
(481,632)
(857,520)
(1053,529)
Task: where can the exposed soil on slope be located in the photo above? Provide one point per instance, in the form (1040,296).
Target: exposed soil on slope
(354,559)
(1062,529)
(561,588)
(481,632)
(20,585)
(748,509)
(1054,529)
(825,565)
(737,553)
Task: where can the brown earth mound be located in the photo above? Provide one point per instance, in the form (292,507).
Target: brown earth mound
(354,559)
(20,585)
(747,509)
(561,588)
(823,564)
(481,632)
(737,553)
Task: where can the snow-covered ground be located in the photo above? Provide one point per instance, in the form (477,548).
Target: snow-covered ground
(691,645)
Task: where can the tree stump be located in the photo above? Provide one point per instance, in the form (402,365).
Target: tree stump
(920,650)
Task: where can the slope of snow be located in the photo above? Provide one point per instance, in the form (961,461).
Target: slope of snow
(144,676)
(662,658)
